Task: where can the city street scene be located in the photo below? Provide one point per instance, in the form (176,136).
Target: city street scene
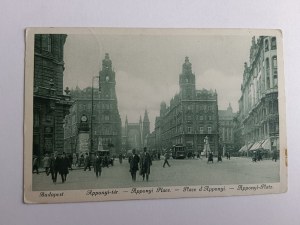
(146,108)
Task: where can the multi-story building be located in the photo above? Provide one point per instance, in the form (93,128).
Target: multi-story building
(258,105)
(191,117)
(106,125)
(50,105)
(226,125)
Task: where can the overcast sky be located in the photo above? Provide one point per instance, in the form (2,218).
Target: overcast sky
(148,67)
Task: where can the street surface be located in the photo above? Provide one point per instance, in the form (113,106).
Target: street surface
(181,173)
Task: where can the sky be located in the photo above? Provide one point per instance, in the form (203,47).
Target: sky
(147,67)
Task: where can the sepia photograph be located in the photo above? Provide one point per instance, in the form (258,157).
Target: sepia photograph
(119,114)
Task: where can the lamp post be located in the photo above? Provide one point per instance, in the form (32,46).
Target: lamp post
(92,113)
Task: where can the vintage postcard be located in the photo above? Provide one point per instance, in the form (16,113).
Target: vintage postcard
(119,114)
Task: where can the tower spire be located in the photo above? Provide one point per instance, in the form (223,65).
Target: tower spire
(146,118)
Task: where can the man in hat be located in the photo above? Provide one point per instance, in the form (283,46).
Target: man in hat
(35,164)
(167,157)
(54,166)
(134,164)
(98,165)
(87,162)
(145,164)
(63,167)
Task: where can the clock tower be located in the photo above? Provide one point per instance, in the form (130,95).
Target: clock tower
(109,119)
(187,81)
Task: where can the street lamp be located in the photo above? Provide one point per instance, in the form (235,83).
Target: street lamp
(92,112)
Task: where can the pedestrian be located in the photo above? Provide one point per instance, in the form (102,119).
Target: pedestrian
(98,165)
(145,164)
(254,158)
(167,157)
(210,157)
(275,156)
(35,164)
(219,157)
(70,158)
(46,163)
(75,159)
(120,158)
(63,167)
(54,166)
(81,161)
(158,156)
(87,162)
(259,156)
(228,155)
(134,164)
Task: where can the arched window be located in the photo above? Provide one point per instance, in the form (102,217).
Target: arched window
(266,45)
(268,72)
(274,67)
(209,130)
(274,62)
(273,43)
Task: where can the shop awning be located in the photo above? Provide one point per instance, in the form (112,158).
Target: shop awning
(257,145)
(243,149)
(266,145)
(254,147)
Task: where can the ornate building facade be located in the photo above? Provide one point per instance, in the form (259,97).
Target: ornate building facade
(106,123)
(226,131)
(135,134)
(50,105)
(191,116)
(258,105)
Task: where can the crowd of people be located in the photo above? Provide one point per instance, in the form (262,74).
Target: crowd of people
(60,163)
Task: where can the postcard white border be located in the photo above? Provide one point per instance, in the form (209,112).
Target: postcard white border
(125,193)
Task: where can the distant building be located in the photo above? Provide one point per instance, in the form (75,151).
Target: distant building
(50,105)
(226,125)
(191,116)
(258,105)
(106,125)
(135,134)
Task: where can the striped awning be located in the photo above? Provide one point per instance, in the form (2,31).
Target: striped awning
(257,145)
(243,149)
(267,144)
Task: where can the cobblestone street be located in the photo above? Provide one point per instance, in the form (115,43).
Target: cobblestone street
(181,173)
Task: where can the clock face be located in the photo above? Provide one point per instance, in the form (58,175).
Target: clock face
(84,118)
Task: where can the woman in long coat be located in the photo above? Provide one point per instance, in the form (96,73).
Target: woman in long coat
(63,167)
(145,164)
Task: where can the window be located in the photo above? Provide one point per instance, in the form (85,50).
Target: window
(209,130)
(268,72)
(36,122)
(49,43)
(46,42)
(273,43)
(201,117)
(201,130)
(274,62)
(189,130)
(266,45)
(274,65)
(209,118)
